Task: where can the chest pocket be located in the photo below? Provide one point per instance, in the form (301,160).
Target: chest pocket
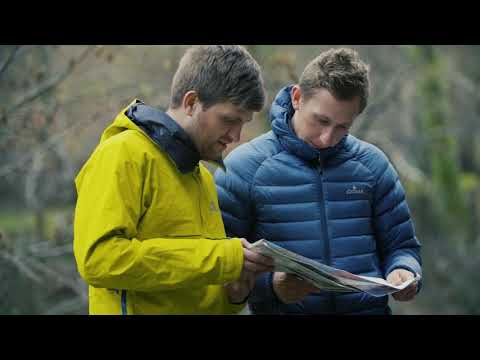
(211,215)
(349,200)
(173,210)
(183,206)
(350,191)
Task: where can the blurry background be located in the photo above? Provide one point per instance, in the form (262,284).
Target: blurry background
(55,101)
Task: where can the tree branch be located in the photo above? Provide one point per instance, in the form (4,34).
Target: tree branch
(24,161)
(407,169)
(380,102)
(8,62)
(60,278)
(21,266)
(49,84)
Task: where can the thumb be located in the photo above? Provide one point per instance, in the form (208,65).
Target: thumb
(406,275)
(245,243)
(394,278)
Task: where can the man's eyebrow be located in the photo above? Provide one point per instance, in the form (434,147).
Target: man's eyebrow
(321,116)
(231,118)
(325,117)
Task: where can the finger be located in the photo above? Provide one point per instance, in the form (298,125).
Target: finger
(245,243)
(294,279)
(412,287)
(394,279)
(410,292)
(246,275)
(403,298)
(258,258)
(303,284)
(246,282)
(301,287)
(404,295)
(406,275)
(399,296)
(256,268)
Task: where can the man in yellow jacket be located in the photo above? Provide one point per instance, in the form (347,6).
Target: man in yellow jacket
(148,234)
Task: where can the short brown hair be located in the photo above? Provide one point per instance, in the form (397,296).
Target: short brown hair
(219,73)
(341,72)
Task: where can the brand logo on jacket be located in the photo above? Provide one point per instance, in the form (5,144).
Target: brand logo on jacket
(213,207)
(354,190)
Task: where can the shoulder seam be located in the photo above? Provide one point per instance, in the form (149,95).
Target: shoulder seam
(355,158)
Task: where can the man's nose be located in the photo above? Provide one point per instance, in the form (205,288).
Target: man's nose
(328,137)
(234,133)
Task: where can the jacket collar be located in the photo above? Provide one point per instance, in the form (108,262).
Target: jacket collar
(167,134)
(281,114)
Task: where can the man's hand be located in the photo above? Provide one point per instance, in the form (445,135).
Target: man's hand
(398,277)
(290,288)
(253,265)
(254,262)
(237,291)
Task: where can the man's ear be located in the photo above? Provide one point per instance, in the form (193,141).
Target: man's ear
(296,96)
(190,102)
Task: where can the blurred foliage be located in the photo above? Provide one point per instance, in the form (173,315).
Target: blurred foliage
(56,100)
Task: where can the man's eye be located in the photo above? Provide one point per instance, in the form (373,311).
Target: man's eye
(229,121)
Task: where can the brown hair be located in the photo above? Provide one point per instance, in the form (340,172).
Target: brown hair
(341,72)
(219,73)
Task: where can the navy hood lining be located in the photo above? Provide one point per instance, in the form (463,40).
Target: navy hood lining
(281,115)
(167,134)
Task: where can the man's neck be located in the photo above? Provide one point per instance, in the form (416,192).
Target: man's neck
(292,123)
(184,121)
(180,119)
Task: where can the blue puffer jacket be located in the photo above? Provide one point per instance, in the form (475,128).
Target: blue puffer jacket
(343,206)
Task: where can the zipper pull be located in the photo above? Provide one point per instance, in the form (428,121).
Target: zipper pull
(320,164)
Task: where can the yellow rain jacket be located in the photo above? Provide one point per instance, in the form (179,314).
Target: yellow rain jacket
(148,238)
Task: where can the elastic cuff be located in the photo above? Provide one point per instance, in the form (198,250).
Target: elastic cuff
(243,301)
(404,267)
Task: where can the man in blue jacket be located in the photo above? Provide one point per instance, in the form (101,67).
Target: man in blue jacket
(311,187)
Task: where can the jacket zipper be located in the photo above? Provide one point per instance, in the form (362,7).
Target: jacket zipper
(196,176)
(124,302)
(323,219)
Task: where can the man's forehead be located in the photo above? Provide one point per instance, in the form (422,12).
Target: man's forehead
(323,116)
(234,112)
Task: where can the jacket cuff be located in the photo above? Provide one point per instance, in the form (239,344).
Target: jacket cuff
(233,261)
(244,301)
(233,308)
(402,261)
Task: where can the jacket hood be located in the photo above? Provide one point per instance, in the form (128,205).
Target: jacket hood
(162,130)
(281,114)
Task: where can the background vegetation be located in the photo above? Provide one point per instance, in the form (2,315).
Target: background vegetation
(56,100)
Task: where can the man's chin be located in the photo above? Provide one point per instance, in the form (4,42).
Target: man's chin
(213,157)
